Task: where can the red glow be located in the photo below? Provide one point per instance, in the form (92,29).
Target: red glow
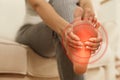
(84,31)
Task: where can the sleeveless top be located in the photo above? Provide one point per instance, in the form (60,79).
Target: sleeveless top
(31,16)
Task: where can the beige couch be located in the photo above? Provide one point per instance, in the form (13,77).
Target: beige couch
(118,68)
(19,62)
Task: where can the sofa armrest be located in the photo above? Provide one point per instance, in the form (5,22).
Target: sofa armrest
(13,58)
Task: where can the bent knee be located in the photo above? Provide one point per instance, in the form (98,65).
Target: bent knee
(46,54)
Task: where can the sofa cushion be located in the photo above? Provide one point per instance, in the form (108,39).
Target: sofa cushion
(41,67)
(20,59)
(22,77)
(13,58)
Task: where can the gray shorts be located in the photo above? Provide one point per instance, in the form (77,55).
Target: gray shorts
(45,42)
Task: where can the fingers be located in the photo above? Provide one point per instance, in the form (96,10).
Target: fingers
(93,45)
(95,40)
(73,36)
(97,25)
(90,16)
(74,46)
(93,20)
(91,48)
(73,40)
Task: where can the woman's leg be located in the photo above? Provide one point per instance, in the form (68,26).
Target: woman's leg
(65,66)
(65,8)
(42,40)
(39,37)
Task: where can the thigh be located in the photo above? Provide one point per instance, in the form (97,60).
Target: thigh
(39,37)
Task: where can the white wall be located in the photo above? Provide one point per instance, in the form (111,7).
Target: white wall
(12,13)
(109,16)
(118,30)
(11,17)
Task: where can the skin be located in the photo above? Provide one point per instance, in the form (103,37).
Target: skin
(58,24)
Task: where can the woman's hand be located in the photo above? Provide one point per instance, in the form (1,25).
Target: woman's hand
(73,41)
(70,40)
(93,43)
(89,15)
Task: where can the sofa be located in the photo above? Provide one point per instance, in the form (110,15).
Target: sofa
(20,62)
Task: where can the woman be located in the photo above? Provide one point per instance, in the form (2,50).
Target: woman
(45,37)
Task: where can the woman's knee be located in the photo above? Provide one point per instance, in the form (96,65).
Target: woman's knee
(47,53)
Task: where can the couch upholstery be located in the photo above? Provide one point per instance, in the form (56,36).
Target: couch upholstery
(19,62)
(118,68)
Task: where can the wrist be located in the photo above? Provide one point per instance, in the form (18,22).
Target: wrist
(66,29)
(63,28)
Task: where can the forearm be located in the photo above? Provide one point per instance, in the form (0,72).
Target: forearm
(49,16)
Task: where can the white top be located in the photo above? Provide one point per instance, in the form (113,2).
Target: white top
(31,16)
